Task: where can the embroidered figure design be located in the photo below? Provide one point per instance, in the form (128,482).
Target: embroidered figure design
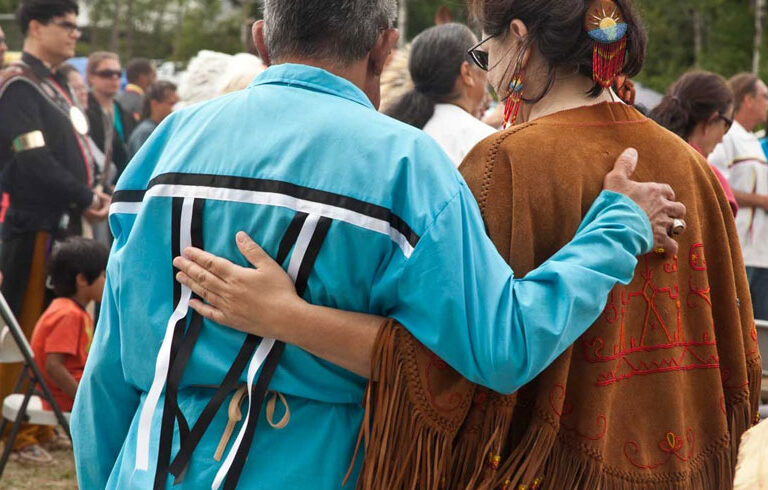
(655,342)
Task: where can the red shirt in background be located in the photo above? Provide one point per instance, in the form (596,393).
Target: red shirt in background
(64,328)
(723,182)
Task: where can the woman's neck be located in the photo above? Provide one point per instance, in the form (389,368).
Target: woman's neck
(569,91)
(464,102)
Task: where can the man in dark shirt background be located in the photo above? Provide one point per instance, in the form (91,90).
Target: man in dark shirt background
(46,164)
(140,73)
(159,101)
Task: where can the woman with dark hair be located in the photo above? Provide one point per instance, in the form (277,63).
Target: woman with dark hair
(699,108)
(657,393)
(448,90)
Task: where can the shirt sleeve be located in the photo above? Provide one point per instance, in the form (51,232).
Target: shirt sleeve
(460,299)
(63,337)
(105,403)
(38,165)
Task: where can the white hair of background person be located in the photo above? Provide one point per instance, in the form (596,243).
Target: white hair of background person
(210,72)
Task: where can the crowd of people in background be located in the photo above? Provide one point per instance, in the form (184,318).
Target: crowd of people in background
(68,136)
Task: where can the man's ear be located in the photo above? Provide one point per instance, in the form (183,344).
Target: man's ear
(33,28)
(81,281)
(257,31)
(381,50)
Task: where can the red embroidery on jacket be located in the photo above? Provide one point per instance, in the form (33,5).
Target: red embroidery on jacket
(454,399)
(671,266)
(651,339)
(696,257)
(671,445)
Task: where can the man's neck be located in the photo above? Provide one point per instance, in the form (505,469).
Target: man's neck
(745,122)
(35,50)
(355,72)
(105,101)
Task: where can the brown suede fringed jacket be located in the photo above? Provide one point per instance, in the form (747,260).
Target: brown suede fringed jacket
(656,394)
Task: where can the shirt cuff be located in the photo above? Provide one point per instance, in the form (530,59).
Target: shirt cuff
(641,226)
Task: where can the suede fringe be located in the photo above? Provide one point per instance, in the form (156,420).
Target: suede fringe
(478,453)
(548,461)
(404,451)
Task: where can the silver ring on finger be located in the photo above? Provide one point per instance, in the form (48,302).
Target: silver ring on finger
(677,228)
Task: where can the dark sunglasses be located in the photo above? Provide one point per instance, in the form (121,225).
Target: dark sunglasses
(728,122)
(108,73)
(67,26)
(479,56)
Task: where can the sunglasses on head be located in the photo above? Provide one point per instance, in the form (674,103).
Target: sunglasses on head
(479,56)
(108,73)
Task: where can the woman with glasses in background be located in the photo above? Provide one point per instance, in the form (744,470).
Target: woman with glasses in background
(699,108)
(449,90)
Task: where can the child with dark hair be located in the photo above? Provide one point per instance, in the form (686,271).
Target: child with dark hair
(62,335)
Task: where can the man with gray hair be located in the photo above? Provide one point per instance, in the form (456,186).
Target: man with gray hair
(347,200)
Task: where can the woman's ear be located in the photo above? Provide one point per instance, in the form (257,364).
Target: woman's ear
(519,31)
(466,74)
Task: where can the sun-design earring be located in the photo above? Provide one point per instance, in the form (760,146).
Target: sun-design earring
(605,25)
(514,97)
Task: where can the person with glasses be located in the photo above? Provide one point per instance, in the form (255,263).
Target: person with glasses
(111,124)
(668,369)
(742,160)
(699,108)
(47,169)
(448,89)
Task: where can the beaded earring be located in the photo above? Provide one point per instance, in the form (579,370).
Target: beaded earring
(514,97)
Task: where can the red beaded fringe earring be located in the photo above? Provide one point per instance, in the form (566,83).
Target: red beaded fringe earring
(608,61)
(514,97)
(605,25)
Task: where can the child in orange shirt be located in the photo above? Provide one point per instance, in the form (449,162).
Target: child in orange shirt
(63,334)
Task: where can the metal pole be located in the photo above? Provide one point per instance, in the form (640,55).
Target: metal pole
(26,351)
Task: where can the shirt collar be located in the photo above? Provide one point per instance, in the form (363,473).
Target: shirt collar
(36,65)
(312,78)
(738,128)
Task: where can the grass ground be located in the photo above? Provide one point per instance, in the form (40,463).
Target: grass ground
(59,475)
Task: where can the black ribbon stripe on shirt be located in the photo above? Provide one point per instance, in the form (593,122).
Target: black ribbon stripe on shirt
(259,391)
(231,379)
(276,187)
(181,345)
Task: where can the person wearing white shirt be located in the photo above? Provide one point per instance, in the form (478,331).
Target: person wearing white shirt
(449,90)
(742,160)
